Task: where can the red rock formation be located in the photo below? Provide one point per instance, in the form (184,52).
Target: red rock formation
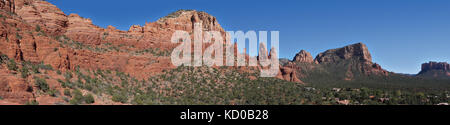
(52,20)
(303,57)
(435,70)
(288,74)
(435,66)
(13,89)
(357,54)
(356,51)
(7,5)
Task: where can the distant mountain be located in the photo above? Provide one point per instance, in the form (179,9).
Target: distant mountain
(352,65)
(347,62)
(435,70)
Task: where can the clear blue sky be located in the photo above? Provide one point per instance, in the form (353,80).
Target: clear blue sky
(401,34)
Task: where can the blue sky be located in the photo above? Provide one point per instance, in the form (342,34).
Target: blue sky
(400,34)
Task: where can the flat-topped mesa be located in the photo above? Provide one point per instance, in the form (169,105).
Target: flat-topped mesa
(357,51)
(303,57)
(440,66)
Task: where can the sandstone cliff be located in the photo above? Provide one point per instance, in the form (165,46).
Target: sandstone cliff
(357,51)
(346,63)
(303,57)
(435,70)
(37,32)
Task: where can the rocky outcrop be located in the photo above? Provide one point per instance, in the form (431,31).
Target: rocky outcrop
(288,74)
(444,66)
(46,21)
(435,70)
(356,56)
(7,5)
(136,29)
(185,19)
(357,51)
(42,14)
(351,61)
(13,89)
(303,57)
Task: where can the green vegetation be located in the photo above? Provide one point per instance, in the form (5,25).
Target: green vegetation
(44,66)
(40,31)
(18,36)
(89,99)
(24,72)
(3,58)
(12,65)
(337,75)
(154,51)
(109,47)
(35,68)
(53,92)
(38,28)
(41,84)
(33,102)
(205,86)
(77,97)
(67,92)
(27,66)
(119,97)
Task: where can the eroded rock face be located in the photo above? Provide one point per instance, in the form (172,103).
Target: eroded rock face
(7,5)
(356,56)
(435,70)
(43,14)
(356,51)
(13,89)
(444,66)
(303,57)
(52,22)
(289,74)
(136,29)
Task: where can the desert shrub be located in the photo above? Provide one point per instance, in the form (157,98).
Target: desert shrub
(53,92)
(33,102)
(41,84)
(67,92)
(3,58)
(45,66)
(38,28)
(18,36)
(77,97)
(12,65)
(35,68)
(68,75)
(24,72)
(120,97)
(89,99)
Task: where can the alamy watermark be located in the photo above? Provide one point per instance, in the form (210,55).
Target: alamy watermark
(214,54)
